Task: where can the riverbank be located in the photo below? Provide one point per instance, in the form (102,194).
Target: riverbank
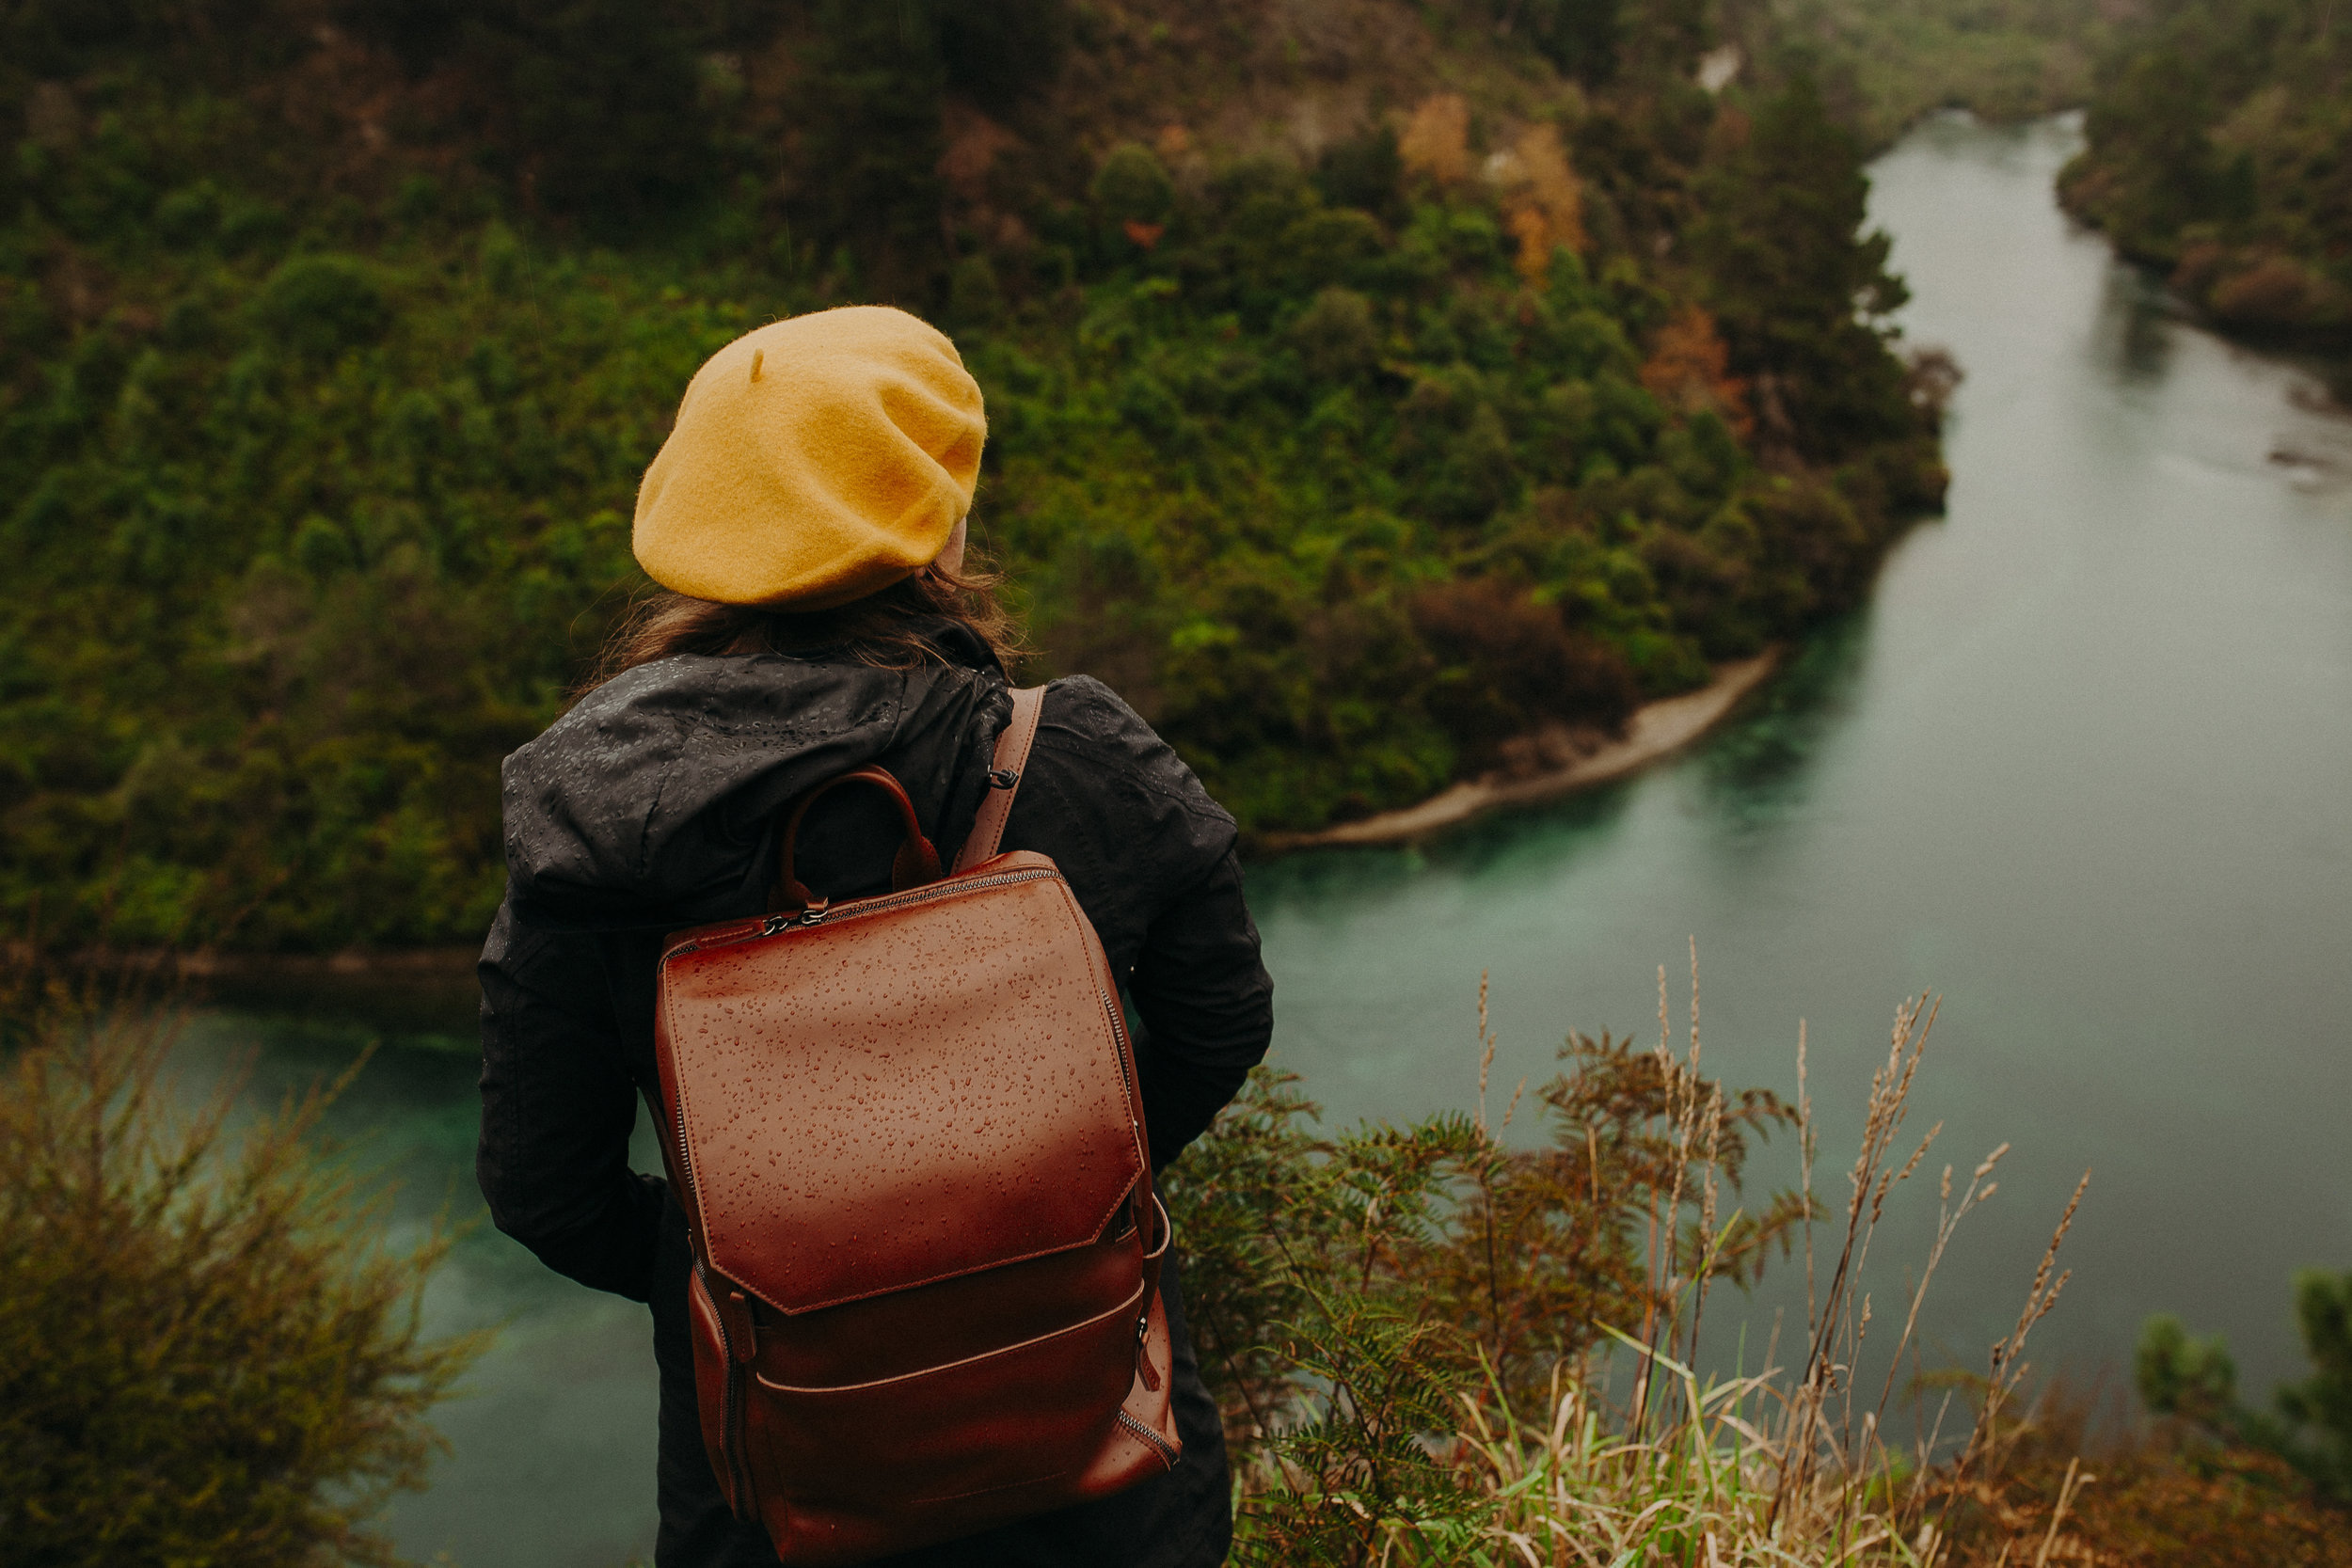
(432,988)
(1656,730)
(417,992)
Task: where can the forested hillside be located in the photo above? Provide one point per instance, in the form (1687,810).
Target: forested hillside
(2221,149)
(1373,386)
(1883,63)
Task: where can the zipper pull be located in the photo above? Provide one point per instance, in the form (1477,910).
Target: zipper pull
(783,921)
(1144,1369)
(734,1315)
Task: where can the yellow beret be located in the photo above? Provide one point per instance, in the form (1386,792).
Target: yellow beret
(814,462)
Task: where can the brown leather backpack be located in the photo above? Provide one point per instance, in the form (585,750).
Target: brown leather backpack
(908,1138)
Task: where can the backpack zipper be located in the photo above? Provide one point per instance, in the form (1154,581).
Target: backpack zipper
(1159,1444)
(941,889)
(823,913)
(1144,1369)
(685,1152)
(1125,1051)
(731,1407)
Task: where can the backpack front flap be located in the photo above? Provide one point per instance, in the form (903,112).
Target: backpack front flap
(909,1090)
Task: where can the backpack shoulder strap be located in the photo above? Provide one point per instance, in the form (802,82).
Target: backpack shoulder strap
(1004,778)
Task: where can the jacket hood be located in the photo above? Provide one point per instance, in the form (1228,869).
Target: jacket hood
(652,803)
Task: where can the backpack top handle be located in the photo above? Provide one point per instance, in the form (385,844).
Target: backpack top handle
(916,863)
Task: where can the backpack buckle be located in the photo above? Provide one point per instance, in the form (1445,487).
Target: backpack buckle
(1003,778)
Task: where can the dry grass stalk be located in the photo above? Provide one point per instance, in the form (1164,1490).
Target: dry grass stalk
(1837,1321)
(1981,1459)
(1668,1283)
(2074,1479)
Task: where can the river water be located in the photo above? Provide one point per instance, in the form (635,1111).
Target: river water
(2084,767)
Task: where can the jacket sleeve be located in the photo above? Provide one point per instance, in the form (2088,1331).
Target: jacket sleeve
(557,1109)
(1207,1007)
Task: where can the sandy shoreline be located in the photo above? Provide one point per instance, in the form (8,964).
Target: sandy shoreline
(1656,730)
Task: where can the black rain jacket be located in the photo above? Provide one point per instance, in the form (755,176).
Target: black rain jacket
(652,806)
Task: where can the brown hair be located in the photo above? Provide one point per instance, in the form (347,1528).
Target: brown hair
(892,629)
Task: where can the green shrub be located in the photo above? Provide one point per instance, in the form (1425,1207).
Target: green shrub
(1491,1261)
(2194,1379)
(1362,172)
(1132,185)
(206,1355)
(320,305)
(1337,335)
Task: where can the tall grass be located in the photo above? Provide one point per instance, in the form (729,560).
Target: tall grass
(1436,1348)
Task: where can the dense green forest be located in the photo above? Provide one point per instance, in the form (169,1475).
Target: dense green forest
(1883,63)
(1373,386)
(2221,150)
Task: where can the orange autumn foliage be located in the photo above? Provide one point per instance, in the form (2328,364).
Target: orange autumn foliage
(1437,139)
(1689,369)
(1545,199)
(2155,1496)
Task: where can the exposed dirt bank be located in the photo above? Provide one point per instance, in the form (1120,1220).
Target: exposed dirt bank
(1656,730)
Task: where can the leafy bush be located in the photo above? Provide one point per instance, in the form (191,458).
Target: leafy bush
(319,306)
(203,1357)
(2194,1379)
(1514,665)
(1132,186)
(1338,335)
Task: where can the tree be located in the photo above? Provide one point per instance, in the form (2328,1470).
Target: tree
(597,103)
(1800,293)
(1581,37)
(606,111)
(2178,1375)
